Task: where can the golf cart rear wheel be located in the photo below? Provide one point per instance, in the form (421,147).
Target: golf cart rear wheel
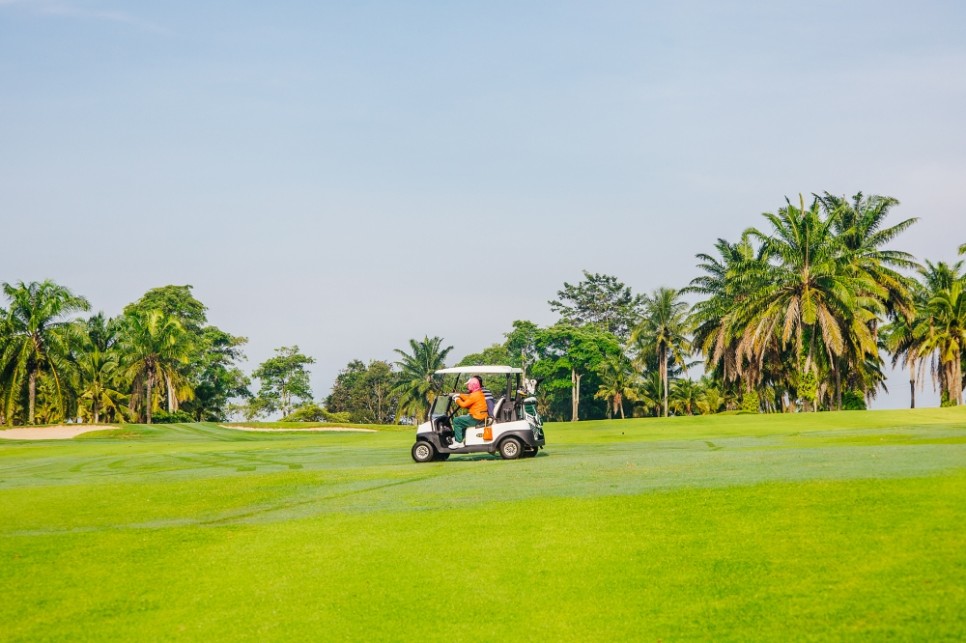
(510,449)
(423,451)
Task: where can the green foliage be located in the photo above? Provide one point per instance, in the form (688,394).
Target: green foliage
(284,382)
(315,413)
(599,300)
(750,402)
(209,380)
(807,385)
(853,401)
(173,301)
(521,344)
(175,417)
(495,354)
(36,334)
(817,283)
(365,393)
(570,360)
(660,340)
(216,378)
(416,384)
(153,345)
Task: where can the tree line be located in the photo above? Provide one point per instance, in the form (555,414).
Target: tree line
(158,361)
(801,313)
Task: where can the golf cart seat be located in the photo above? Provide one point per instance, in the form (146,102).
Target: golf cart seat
(493,413)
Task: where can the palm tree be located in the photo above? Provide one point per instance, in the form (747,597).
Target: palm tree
(416,384)
(729,280)
(941,330)
(662,333)
(860,227)
(900,342)
(685,396)
(710,397)
(97,373)
(37,341)
(649,394)
(152,346)
(618,383)
(811,298)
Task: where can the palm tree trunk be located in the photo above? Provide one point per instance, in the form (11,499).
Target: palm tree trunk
(663,369)
(172,398)
(31,395)
(956,382)
(838,386)
(149,385)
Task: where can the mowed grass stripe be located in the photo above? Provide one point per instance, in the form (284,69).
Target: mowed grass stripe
(871,559)
(814,529)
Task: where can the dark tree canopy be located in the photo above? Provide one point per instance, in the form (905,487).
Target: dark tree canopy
(601,300)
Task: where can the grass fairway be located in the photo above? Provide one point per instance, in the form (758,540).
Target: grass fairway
(833,526)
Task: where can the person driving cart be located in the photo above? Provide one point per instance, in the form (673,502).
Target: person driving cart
(475,403)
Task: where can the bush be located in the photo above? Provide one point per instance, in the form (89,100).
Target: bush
(853,401)
(163,417)
(750,402)
(315,413)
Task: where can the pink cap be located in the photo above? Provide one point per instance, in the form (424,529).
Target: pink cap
(473,384)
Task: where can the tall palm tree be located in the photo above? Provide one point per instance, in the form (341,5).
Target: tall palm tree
(862,232)
(416,384)
(152,347)
(860,227)
(663,333)
(811,298)
(901,342)
(942,333)
(37,340)
(728,281)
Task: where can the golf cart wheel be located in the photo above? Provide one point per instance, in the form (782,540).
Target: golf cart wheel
(510,449)
(531,453)
(423,451)
(441,457)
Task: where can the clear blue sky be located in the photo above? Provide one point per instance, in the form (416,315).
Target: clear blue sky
(338,175)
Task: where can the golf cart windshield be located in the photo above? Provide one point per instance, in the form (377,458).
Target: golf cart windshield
(440,406)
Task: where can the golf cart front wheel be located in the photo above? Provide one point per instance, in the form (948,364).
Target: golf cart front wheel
(423,451)
(510,449)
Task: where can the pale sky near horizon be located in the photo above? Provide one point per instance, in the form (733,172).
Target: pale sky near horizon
(334,174)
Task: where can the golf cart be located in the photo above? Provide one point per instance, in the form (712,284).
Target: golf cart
(513,428)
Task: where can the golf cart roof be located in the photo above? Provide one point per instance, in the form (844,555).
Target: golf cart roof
(480,370)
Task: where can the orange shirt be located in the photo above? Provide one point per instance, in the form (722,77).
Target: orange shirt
(475,402)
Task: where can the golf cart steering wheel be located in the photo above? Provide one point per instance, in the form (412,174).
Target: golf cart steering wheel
(456,407)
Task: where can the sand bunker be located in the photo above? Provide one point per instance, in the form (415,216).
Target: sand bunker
(62,432)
